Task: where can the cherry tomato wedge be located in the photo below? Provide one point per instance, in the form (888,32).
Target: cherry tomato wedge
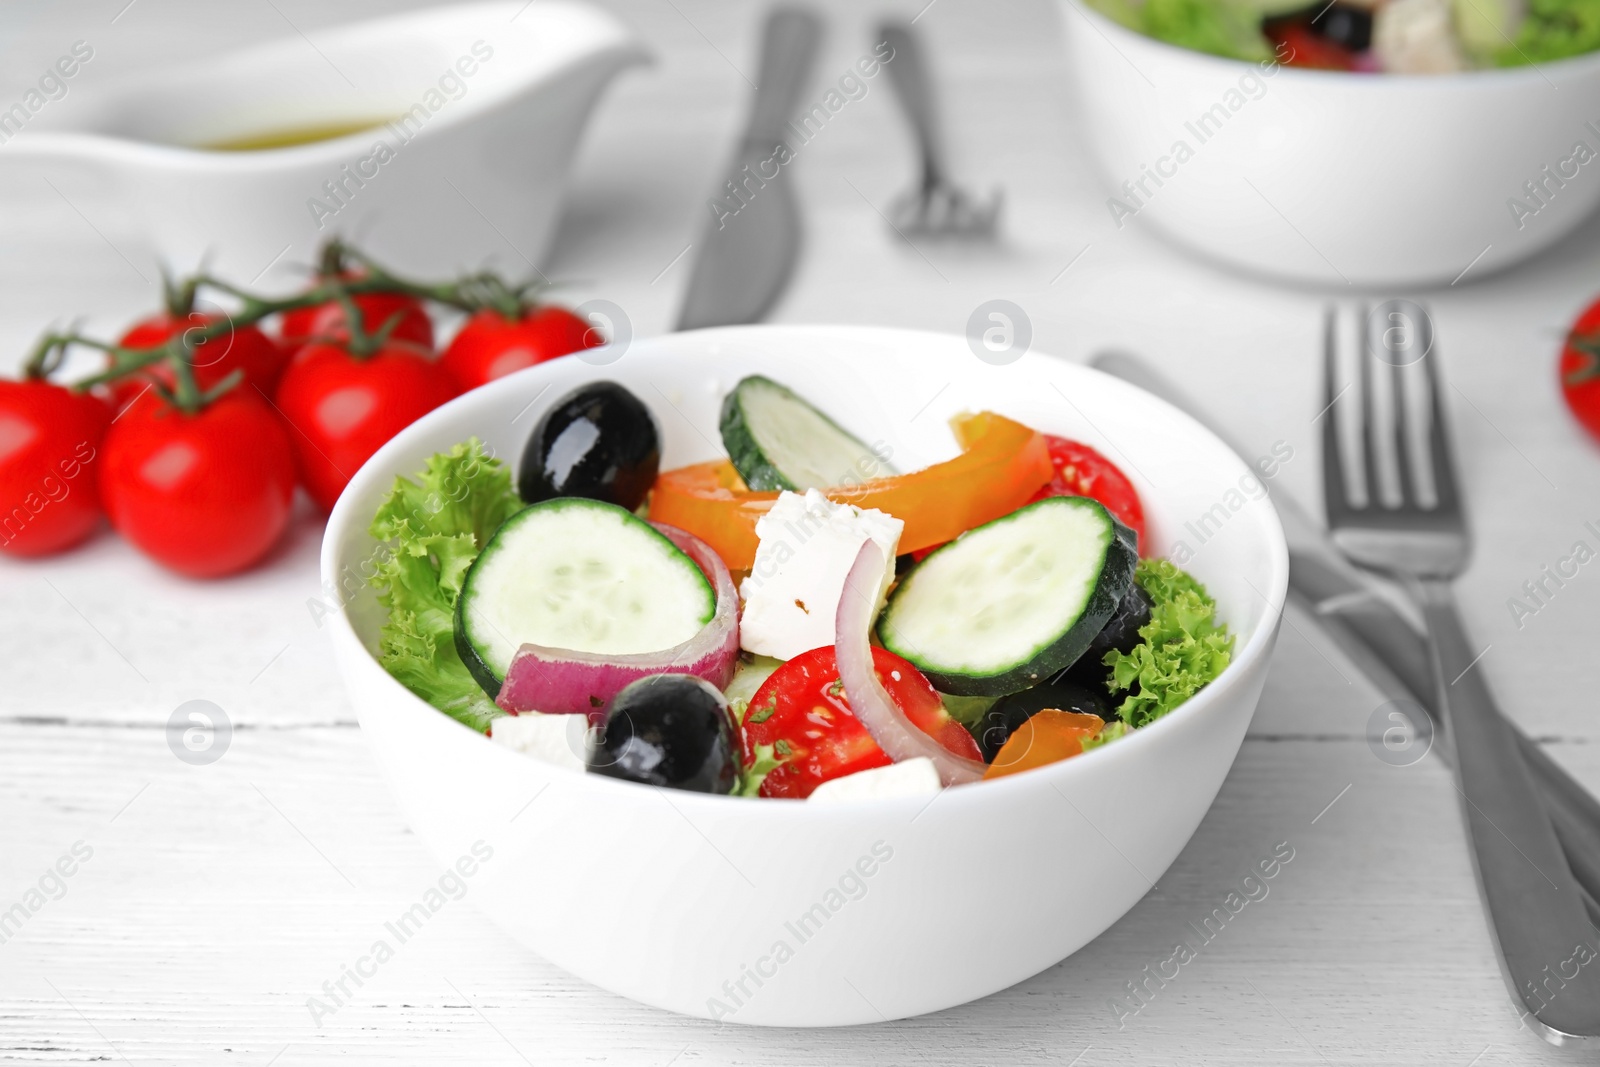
(1048,736)
(328,322)
(1081,471)
(205,494)
(243,348)
(50,439)
(802,709)
(1580,369)
(491,346)
(1003,465)
(342,408)
(1298,45)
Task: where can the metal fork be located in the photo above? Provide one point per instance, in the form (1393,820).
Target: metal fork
(936,207)
(1546,944)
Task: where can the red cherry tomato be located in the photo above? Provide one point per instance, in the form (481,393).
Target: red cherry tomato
(327,322)
(491,346)
(50,444)
(1081,471)
(802,707)
(1298,45)
(1580,369)
(243,348)
(342,408)
(205,494)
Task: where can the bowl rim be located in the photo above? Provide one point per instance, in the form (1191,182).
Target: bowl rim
(1357,80)
(1129,748)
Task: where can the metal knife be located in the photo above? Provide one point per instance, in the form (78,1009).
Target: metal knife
(1349,605)
(752,236)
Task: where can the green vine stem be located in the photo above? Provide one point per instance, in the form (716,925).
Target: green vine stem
(345,274)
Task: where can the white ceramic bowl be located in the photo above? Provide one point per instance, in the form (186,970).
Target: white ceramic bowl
(487,101)
(670,897)
(1336,178)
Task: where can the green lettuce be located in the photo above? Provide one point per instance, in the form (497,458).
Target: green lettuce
(1219,28)
(1553,29)
(1183,646)
(1110,733)
(432,529)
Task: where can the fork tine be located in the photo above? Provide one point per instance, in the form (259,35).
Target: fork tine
(1369,414)
(1441,461)
(1336,494)
(1400,424)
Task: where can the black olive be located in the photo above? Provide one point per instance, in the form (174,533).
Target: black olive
(1346,25)
(598,441)
(1010,712)
(671,730)
(1120,633)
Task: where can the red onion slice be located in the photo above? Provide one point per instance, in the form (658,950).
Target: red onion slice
(559,681)
(869,701)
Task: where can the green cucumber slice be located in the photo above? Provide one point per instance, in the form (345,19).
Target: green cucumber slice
(1009,604)
(776,440)
(578,574)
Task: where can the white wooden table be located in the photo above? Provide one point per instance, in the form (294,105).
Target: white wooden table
(218,899)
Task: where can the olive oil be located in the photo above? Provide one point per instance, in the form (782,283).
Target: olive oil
(288,137)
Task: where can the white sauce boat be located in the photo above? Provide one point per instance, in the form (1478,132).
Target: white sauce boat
(473,114)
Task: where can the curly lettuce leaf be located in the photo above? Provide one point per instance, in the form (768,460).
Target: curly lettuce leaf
(1183,646)
(1218,27)
(435,527)
(1110,733)
(1553,29)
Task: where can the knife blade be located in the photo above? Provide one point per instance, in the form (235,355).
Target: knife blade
(1353,610)
(749,247)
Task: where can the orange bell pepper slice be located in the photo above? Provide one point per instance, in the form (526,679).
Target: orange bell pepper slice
(1049,736)
(1003,465)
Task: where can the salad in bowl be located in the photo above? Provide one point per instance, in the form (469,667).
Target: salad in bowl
(795,620)
(1392,36)
(771,666)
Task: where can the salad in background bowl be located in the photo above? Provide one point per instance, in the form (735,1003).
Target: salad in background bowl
(698,888)
(1390,36)
(1230,143)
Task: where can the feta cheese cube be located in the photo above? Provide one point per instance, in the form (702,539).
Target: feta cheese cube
(807,546)
(908,778)
(559,739)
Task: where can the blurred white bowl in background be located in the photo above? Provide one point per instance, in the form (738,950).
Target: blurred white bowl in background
(478,108)
(673,898)
(1331,177)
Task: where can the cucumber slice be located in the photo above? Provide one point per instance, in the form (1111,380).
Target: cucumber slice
(1010,603)
(578,574)
(776,440)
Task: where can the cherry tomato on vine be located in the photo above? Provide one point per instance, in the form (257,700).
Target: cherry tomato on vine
(491,345)
(327,322)
(342,407)
(1081,471)
(803,711)
(242,348)
(50,443)
(1580,369)
(205,494)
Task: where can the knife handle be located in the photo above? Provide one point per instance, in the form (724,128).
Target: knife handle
(789,43)
(1530,896)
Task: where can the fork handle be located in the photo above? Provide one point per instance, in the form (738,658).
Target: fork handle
(1548,950)
(908,73)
